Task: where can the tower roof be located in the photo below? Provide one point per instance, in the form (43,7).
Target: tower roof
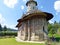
(46,15)
(30,2)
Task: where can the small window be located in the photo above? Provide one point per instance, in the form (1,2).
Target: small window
(33,7)
(43,28)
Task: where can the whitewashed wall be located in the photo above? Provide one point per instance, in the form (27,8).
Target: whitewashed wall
(31,7)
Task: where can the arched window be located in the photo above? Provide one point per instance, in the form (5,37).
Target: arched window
(43,28)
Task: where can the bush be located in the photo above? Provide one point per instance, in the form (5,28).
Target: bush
(8,33)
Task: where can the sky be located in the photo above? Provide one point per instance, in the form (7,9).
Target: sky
(12,10)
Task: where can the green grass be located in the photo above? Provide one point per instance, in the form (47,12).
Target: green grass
(55,35)
(12,41)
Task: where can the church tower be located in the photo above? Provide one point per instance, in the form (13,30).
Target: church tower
(33,25)
(31,5)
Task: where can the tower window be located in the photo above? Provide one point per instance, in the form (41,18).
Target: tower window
(33,7)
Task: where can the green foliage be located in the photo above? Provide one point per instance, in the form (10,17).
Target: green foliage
(49,27)
(59,29)
(5,28)
(0,27)
(8,33)
(52,31)
(53,28)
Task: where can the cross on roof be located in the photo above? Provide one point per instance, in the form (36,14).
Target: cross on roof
(31,0)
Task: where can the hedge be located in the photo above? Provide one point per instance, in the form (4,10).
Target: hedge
(8,33)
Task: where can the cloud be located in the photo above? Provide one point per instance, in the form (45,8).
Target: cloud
(11,26)
(57,5)
(41,7)
(3,22)
(24,0)
(2,19)
(22,7)
(50,21)
(10,3)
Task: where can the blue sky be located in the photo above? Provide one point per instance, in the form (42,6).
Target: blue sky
(12,10)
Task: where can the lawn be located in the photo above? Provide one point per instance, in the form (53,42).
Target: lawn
(12,41)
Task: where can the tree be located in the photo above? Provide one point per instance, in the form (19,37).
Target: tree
(55,22)
(52,31)
(0,27)
(56,26)
(59,22)
(58,32)
(49,27)
(5,28)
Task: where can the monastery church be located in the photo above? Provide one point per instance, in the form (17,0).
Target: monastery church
(33,24)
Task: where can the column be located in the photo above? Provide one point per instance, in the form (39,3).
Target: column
(45,33)
(24,31)
(29,35)
(33,33)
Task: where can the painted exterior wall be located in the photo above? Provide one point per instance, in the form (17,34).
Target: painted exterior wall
(33,29)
